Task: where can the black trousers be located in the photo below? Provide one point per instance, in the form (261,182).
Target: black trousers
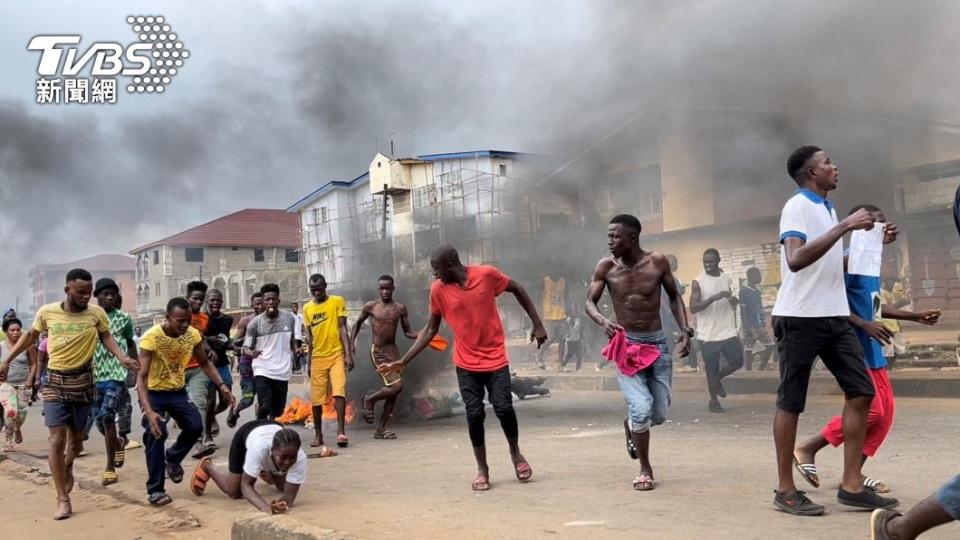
(576,351)
(731,350)
(497,385)
(271,397)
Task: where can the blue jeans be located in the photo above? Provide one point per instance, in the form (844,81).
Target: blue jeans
(187,417)
(648,392)
(109,401)
(949,497)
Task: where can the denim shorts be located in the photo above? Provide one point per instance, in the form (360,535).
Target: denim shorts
(949,497)
(109,396)
(647,393)
(225,376)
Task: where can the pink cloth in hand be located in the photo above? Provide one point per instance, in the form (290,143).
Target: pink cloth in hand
(630,358)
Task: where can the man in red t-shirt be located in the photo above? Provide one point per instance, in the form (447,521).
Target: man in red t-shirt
(466,296)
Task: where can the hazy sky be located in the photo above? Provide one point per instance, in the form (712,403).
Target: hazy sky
(291,94)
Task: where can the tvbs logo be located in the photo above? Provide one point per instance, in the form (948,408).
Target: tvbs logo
(149,64)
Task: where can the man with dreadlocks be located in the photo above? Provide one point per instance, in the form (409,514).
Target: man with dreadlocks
(261,449)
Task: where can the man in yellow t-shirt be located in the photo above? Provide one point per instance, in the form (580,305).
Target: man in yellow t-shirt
(554,307)
(325,318)
(74,328)
(165,352)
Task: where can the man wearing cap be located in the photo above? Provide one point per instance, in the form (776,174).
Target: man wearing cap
(110,376)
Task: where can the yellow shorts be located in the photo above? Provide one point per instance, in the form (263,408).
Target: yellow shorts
(328,376)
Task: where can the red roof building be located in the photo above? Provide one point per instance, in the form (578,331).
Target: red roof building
(236,254)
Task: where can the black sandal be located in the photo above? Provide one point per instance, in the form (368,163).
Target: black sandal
(159,499)
(175,472)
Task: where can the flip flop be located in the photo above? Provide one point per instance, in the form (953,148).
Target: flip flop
(109,478)
(481,485)
(385,435)
(199,479)
(523,471)
(369,416)
(159,499)
(808,471)
(206,450)
(644,483)
(631,448)
(324,452)
(343,441)
(119,457)
(875,485)
(131,444)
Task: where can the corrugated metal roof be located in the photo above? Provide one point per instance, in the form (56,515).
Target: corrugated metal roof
(472,154)
(333,184)
(252,227)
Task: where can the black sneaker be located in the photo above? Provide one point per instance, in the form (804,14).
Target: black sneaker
(174,472)
(797,504)
(714,406)
(867,498)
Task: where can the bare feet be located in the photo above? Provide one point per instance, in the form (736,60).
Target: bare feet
(317,442)
(64,510)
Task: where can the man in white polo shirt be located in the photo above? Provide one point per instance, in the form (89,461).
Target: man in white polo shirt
(810,321)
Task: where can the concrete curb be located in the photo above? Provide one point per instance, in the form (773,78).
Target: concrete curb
(262,527)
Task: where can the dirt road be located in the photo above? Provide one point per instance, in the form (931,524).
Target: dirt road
(715,473)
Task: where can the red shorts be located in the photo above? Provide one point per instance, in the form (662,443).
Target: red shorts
(879,419)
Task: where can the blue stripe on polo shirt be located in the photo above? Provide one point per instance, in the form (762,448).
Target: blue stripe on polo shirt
(795,234)
(814,197)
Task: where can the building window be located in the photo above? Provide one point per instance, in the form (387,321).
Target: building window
(156,256)
(291,256)
(503,170)
(424,196)
(401,203)
(194,254)
(258,255)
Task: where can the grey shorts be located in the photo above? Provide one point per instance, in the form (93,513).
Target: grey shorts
(72,414)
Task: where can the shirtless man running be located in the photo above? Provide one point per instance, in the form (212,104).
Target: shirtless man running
(385,315)
(634,277)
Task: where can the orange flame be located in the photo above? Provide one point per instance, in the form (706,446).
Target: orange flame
(330,413)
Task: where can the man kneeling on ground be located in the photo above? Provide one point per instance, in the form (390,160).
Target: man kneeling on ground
(261,449)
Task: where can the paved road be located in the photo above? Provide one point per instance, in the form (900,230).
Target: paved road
(715,476)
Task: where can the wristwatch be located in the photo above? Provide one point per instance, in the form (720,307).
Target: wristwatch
(690,332)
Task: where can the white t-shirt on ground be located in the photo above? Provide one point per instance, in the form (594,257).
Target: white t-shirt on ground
(818,290)
(258,459)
